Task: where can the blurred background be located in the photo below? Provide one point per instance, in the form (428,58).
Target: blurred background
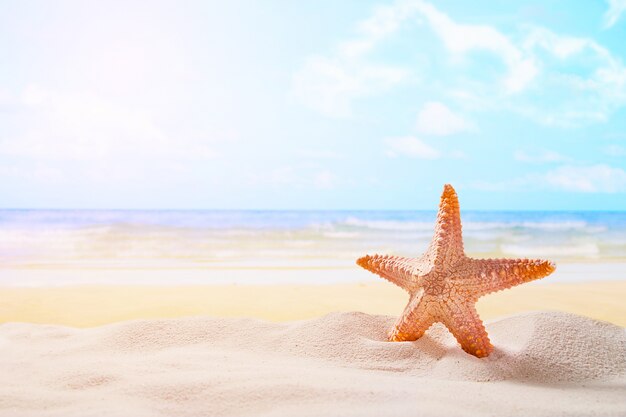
(230,138)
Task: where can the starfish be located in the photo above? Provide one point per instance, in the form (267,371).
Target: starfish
(444,284)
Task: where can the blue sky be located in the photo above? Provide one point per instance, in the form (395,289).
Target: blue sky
(313,105)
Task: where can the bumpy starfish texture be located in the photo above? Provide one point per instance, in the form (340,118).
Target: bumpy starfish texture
(444,284)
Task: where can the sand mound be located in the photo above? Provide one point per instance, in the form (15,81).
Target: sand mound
(544,363)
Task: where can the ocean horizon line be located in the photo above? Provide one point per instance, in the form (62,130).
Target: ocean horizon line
(310,210)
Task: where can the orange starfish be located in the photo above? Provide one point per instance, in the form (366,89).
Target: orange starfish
(444,284)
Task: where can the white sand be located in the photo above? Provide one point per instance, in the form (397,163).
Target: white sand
(544,364)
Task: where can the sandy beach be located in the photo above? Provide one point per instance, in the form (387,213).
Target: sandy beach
(544,364)
(309,350)
(94,305)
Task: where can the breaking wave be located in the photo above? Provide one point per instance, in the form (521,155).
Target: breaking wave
(281,239)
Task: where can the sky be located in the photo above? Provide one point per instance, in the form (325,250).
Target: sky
(276,104)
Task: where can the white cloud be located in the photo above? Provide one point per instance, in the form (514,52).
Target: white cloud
(612,15)
(589,94)
(550,78)
(600,178)
(591,179)
(562,47)
(411,147)
(385,21)
(462,39)
(436,119)
(539,60)
(539,157)
(83,126)
(603,84)
(300,177)
(330,85)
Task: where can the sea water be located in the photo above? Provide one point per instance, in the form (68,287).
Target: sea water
(288,240)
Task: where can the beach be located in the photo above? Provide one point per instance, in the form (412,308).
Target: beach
(223,314)
(87,306)
(281,350)
(544,364)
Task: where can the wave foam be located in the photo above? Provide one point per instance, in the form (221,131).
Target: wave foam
(388,224)
(590,250)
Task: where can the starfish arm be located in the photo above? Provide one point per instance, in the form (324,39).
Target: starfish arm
(447,242)
(490,275)
(413,322)
(396,269)
(467,328)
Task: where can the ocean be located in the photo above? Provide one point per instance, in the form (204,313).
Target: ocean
(227,241)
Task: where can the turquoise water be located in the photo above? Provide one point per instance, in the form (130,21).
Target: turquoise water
(290,239)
